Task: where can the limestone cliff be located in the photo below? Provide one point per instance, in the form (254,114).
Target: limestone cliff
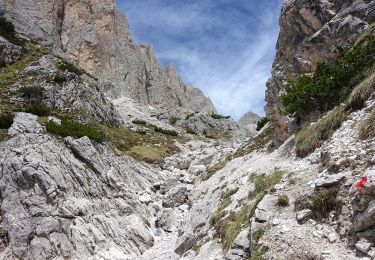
(96,36)
(310,32)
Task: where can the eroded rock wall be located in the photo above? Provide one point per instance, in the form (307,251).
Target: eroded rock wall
(96,36)
(310,32)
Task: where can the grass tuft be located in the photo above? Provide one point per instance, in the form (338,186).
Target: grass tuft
(264,182)
(310,138)
(72,128)
(6,120)
(282,201)
(215,168)
(366,129)
(257,142)
(217,116)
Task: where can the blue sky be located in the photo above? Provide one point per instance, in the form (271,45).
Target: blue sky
(224,47)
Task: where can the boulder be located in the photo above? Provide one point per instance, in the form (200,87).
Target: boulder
(303,215)
(176,197)
(25,123)
(8,52)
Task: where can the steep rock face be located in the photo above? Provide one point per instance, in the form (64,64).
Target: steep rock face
(310,32)
(96,37)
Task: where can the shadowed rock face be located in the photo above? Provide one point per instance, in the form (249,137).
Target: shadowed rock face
(96,37)
(310,31)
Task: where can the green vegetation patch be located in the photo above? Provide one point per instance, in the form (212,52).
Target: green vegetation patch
(331,83)
(32,92)
(6,120)
(217,133)
(310,138)
(257,251)
(263,182)
(67,66)
(72,128)
(256,143)
(8,32)
(229,228)
(282,201)
(151,147)
(261,123)
(10,74)
(366,129)
(321,202)
(37,108)
(217,116)
(215,168)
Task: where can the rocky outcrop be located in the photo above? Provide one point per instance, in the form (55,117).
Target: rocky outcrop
(310,32)
(69,200)
(96,36)
(8,52)
(249,118)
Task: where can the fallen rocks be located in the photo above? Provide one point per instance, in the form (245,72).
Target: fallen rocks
(363,245)
(303,215)
(166,219)
(176,197)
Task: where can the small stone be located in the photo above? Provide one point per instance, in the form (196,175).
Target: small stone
(332,237)
(275,221)
(319,227)
(363,245)
(342,232)
(145,198)
(303,215)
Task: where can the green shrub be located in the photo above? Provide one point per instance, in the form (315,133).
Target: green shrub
(72,128)
(331,83)
(37,108)
(6,120)
(60,78)
(261,123)
(139,122)
(282,201)
(166,131)
(33,92)
(67,66)
(8,32)
(217,116)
